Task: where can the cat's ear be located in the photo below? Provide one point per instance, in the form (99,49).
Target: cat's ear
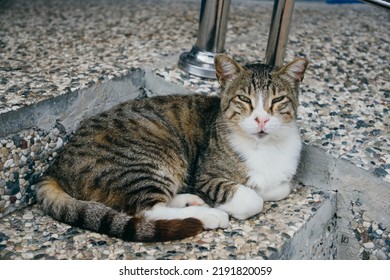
(294,71)
(226,68)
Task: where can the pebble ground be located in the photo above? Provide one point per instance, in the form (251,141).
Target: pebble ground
(50,47)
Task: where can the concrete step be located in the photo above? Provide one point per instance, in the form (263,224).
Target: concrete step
(300,227)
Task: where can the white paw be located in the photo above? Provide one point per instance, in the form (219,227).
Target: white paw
(244,204)
(210,217)
(185,200)
(214,218)
(276,193)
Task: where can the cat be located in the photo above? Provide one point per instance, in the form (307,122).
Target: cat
(168,167)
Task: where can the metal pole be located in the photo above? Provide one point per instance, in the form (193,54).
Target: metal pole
(280,28)
(379,3)
(210,40)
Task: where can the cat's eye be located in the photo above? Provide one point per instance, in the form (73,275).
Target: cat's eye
(244,99)
(277,99)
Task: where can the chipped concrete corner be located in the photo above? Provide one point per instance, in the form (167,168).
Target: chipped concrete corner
(362,200)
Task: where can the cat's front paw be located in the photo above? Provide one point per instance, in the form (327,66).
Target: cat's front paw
(185,200)
(245,203)
(214,218)
(278,192)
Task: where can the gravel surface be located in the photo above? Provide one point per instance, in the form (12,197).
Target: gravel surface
(51,47)
(29,234)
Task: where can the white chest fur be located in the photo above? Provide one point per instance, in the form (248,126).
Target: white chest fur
(271,162)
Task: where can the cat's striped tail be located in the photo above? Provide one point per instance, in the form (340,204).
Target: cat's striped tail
(102,219)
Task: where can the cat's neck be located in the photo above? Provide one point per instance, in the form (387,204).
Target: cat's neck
(270,162)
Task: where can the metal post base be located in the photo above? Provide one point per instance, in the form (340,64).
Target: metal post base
(199,63)
(213,19)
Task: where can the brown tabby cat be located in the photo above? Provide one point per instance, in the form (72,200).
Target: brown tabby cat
(125,171)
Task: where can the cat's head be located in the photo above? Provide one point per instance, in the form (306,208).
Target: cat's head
(259,100)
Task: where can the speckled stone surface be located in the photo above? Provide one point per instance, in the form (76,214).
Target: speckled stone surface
(30,234)
(51,47)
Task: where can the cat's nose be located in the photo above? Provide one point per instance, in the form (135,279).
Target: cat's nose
(261,122)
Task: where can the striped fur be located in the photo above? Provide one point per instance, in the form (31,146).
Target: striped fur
(125,165)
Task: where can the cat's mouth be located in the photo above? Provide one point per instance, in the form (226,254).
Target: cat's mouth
(261,134)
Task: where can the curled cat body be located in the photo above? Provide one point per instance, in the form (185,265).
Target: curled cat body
(168,167)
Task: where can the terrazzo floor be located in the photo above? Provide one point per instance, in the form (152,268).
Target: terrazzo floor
(50,47)
(261,237)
